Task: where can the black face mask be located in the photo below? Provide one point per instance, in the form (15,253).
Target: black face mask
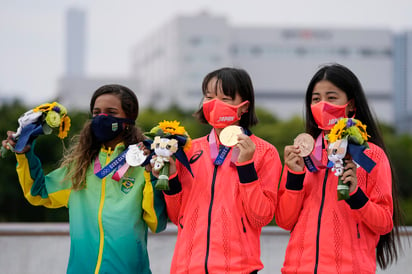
(106,127)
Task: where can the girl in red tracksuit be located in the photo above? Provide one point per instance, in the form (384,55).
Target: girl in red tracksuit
(327,235)
(221,209)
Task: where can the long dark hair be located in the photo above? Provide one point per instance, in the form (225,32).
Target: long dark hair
(85,146)
(233,81)
(346,80)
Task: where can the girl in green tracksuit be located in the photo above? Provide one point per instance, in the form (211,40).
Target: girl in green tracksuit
(109,215)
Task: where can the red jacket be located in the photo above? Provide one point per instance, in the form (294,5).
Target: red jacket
(331,236)
(220,212)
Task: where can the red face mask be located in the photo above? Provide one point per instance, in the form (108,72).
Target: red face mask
(326,114)
(220,114)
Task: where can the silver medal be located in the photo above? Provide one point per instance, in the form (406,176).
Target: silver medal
(135,156)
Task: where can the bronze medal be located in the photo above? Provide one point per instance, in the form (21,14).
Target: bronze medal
(306,144)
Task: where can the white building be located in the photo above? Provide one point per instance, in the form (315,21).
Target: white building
(403,82)
(171,63)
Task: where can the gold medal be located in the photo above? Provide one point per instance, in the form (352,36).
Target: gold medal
(228,135)
(306,144)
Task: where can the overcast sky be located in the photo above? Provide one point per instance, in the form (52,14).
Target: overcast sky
(33,38)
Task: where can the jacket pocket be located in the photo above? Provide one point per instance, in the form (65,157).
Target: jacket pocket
(245,242)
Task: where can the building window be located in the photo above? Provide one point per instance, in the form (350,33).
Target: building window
(256,50)
(195,41)
(300,51)
(387,52)
(343,51)
(367,52)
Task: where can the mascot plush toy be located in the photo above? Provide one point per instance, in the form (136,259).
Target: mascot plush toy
(348,138)
(336,153)
(168,139)
(163,148)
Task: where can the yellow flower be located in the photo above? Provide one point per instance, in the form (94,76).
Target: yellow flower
(188,144)
(64,127)
(337,132)
(45,107)
(55,115)
(348,127)
(362,129)
(172,127)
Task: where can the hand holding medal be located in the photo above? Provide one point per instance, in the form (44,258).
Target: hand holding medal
(228,135)
(135,156)
(306,143)
(299,155)
(234,138)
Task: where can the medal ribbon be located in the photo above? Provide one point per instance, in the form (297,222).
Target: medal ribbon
(120,172)
(223,152)
(313,162)
(118,163)
(219,157)
(359,156)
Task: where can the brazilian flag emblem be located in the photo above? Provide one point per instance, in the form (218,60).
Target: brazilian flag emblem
(127,185)
(115,126)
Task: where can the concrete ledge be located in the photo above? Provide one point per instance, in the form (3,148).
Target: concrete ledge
(32,229)
(61,229)
(57,229)
(29,247)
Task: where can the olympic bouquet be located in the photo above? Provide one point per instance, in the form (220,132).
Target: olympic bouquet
(43,119)
(348,138)
(167,139)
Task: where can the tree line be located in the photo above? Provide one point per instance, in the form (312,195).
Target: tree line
(49,148)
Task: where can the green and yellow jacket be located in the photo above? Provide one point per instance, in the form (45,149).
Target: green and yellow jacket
(109,219)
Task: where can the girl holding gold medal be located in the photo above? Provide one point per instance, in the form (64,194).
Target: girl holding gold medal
(331,232)
(111,199)
(221,209)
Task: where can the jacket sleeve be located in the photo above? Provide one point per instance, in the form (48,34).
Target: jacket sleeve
(290,199)
(258,185)
(372,202)
(50,191)
(153,204)
(173,198)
